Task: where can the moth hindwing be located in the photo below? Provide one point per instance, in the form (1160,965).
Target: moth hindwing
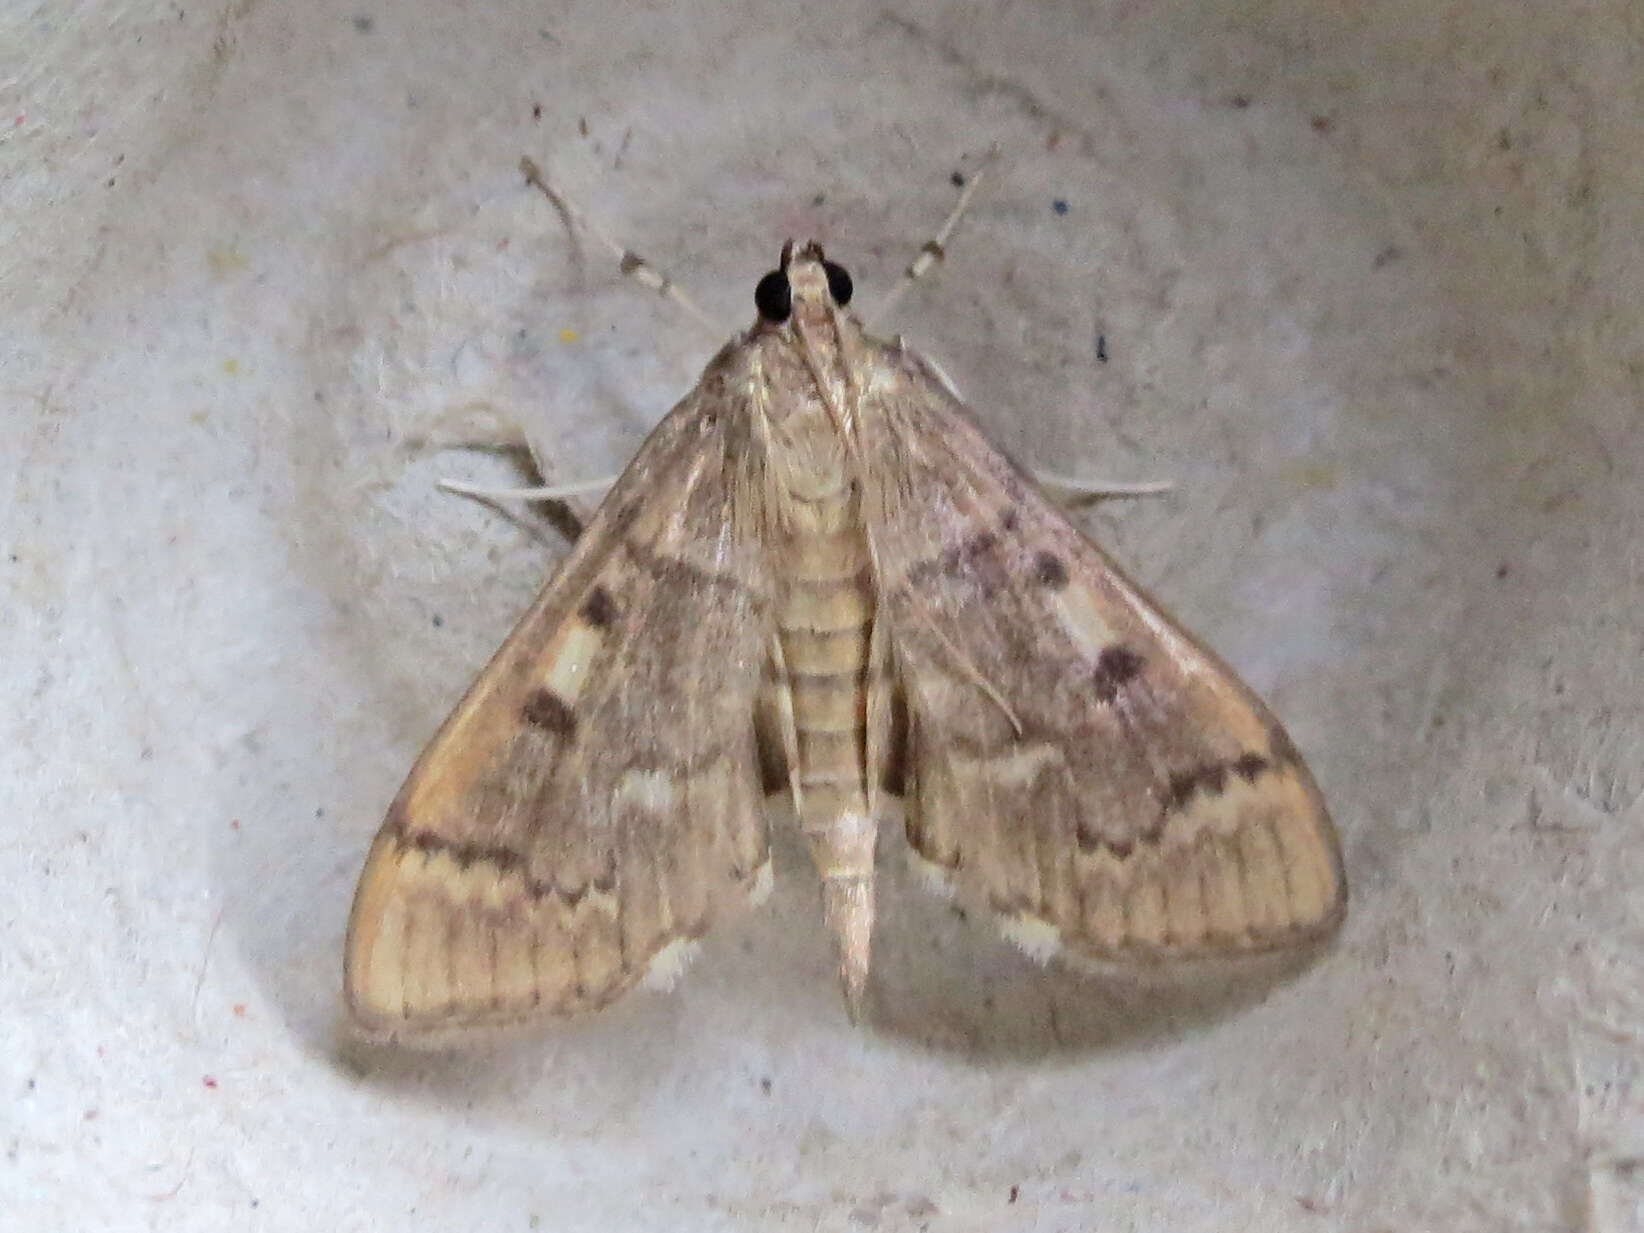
(818,577)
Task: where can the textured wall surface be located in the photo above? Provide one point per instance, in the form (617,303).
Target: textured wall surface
(1369,278)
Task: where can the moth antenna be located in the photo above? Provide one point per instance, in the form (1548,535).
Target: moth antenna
(628,261)
(933,249)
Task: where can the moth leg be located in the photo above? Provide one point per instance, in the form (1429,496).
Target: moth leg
(563,506)
(551,492)
(475,425)
(630,262)
(932,250)
(1070,490)
(483,428)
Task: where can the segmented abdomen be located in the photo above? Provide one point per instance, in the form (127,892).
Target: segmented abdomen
(824,622)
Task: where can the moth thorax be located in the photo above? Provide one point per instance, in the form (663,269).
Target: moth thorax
(808,458)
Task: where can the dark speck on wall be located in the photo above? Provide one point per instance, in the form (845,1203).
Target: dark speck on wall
(365,24)
(1059,205)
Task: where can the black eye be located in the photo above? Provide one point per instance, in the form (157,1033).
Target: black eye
(773,297)
(839,283)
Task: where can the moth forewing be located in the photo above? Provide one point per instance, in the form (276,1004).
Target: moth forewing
(593,803)
(1082,765)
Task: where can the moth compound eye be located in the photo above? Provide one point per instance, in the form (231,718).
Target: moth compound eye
(839,283)
(774,297)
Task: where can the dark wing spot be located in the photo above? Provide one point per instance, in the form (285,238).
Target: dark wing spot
(975,560)
(1049,570)
(1091,840)
(1116,667)
(961,557)
(980,544)
(547,710)
(1278,744)
(1180,791)
(1120,849)
(1210,779)
(1213,778)
(599,609)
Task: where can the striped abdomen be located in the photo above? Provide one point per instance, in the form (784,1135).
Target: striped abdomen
(824,622)
(825,625)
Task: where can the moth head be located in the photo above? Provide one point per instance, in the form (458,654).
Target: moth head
(806,279)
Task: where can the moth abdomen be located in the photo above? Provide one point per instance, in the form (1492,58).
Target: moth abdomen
(825,620)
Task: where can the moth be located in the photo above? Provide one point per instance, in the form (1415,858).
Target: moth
(818,578)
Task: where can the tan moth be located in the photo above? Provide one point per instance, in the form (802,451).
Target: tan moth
(818,578)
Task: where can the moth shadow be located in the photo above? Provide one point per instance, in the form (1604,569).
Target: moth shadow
(463,1071)
(599,1068)
(947,980)
(588,1068)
